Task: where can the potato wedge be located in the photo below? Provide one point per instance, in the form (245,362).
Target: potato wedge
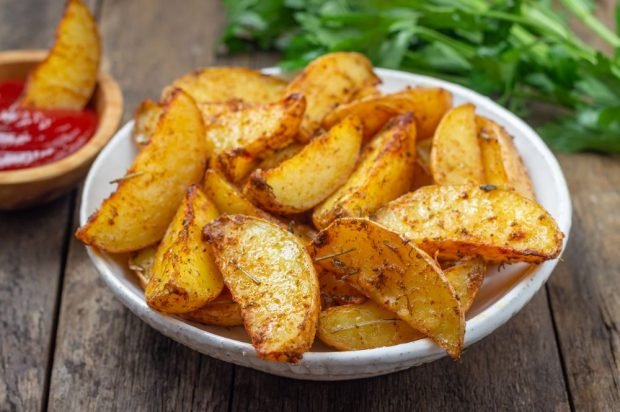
(241,136)
(422,175)
(138,213)
(456,221)
(335,291)
(455,155)
(184,276)
(271,276)
(503,165)
(466,277)
(428,104)
(219,84)
(67,77)
(221,311)
(363,326)
(141,263)
(385,171)
(145,119)
(326,163)
(328,81)
(395,274)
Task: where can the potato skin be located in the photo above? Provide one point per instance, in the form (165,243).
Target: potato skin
(384,172)
(325,163)
(466,277)
(184,276)
(271,276)
(220,84)
(502,163)
(428,104)
(241,136)
(455,154)
(396,275)
(137,214)
(67,77)
(363,326)
(330,80)
(456,221)
(221,311)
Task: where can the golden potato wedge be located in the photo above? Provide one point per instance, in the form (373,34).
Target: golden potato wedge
(395,274)
(503,165)
(363,326)
(456,221)
(328,81)
(141,263)
(335,291)
(219,84)
(241,136)
(325,163)
(455,154)
(428,104)
(221,311)
(276,157)
(271,276)
(184,276)
(466,277)
(145,119)
(137,214)
(229,200)
(422,175)
(385,171)
(67,77)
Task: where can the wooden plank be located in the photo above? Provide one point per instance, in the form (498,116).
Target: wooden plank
(31,248)
(106,358)
(585,290)
(516,368)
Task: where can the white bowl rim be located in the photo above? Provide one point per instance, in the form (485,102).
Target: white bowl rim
(423,350)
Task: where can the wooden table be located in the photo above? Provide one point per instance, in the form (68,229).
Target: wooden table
(68,345)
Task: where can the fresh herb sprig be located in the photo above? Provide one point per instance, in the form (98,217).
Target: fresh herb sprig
(518,51)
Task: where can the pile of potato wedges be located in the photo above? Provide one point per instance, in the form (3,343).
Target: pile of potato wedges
(320,207)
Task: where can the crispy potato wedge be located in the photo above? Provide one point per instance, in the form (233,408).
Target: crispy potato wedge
(335,291)
(241,136)
(385,171)
(229,200)
(276,157)
(395,274)
(145,119)
(456,221)
(455,154)
(138,213)
(422,175)
(219,84)
(326,163)
(271,276)
(503,165)
(428,104)
(363,326)
(184,276)
(141,262)
(221,311)
(466,277)
(67,77)
(328,81)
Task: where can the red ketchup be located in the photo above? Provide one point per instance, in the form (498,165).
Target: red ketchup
(31,138)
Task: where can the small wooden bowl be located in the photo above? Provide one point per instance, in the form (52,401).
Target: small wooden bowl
(26,187)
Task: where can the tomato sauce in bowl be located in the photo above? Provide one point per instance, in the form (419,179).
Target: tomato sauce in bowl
(31,138)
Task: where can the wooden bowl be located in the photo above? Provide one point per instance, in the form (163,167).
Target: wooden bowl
(26,187)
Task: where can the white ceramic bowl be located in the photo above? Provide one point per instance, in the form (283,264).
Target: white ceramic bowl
(503,293)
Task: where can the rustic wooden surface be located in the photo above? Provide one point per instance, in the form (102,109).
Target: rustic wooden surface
(67,344)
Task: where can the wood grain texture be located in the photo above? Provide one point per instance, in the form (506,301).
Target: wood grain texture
(516,368)
(585,288)
(31,248)
(30,266)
